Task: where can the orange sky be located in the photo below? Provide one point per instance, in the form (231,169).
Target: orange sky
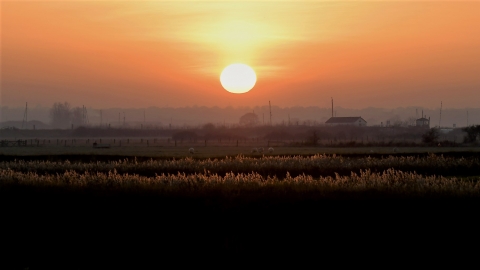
(141,54)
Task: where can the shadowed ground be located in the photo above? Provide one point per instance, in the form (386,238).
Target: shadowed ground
(43,225)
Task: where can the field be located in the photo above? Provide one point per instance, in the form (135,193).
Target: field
(227,199)
(167,149)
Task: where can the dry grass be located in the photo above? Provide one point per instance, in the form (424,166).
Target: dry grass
(279,166)
(389,182)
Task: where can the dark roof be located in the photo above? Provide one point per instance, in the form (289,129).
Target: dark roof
(422,119)
(343,120)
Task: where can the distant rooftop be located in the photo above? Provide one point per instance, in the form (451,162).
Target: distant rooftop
(342,120)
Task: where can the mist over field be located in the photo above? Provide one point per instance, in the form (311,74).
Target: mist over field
(199,115)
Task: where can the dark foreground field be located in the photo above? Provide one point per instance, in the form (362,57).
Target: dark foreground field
(67,229)
(46,225)
(74,218)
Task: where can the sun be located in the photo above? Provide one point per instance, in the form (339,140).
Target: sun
(238,78)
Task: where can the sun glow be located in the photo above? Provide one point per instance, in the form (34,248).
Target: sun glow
(238,78)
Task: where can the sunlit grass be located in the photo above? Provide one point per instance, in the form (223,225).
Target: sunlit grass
(279,166)
(389,182)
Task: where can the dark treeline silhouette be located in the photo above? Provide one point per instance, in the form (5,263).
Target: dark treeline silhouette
(347,136)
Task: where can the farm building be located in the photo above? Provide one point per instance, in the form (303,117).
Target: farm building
(423,122)
(346,121)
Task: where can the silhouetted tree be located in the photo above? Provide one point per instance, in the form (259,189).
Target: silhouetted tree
(77,116)
(472,133)
(208,126)
(313,137)
(60,114)
(431,136)
(249,119)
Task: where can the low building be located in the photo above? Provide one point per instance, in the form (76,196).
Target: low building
(346,121)
(423,122)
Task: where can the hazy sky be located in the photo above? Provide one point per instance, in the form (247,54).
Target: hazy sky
(155,53)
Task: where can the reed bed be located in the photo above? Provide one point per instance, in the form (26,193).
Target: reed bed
(389,182)
(279,166)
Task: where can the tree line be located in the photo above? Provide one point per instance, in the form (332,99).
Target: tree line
(62,115)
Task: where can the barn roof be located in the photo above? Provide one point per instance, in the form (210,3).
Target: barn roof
(342,120)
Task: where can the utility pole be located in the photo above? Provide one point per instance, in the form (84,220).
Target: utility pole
(25,115)
(84,114)
(332,106)
(440,120)
(270,106)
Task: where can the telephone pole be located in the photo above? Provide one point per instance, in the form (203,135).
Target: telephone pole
(25,115)
(332,106)
(84,115)
(270,106)
(440,120)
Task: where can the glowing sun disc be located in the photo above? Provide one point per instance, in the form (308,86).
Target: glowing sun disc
(238,78)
